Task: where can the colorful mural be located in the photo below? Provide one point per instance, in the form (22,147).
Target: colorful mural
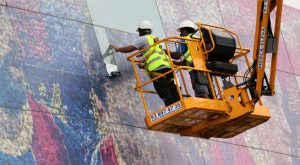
(75,9)
(58,107)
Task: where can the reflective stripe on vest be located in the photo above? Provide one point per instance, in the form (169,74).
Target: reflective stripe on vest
(155,56)
(149,62)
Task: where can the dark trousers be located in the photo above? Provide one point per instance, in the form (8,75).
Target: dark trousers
(199,84)
(166,88)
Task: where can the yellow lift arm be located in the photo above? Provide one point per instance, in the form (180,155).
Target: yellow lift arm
(234,106)
(266,41)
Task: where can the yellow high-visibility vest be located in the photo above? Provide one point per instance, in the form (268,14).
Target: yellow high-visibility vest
(155,57)
(187,55)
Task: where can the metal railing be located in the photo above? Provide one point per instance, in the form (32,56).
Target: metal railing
(240,52)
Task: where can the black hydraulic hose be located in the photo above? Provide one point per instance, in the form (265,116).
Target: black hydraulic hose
(252,77)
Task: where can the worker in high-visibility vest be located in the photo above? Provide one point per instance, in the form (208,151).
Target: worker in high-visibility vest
(183,55)
(155,63)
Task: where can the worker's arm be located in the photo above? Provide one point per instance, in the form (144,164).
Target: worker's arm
(180,51)
(125,49)
(179,61)
(141,65)
(175,55)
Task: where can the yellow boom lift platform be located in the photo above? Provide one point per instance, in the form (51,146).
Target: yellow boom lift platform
(234,107)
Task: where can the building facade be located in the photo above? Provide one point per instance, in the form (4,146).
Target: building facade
(57,105)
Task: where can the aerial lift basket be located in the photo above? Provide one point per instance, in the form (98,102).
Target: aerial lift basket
(227,113)
(233,107)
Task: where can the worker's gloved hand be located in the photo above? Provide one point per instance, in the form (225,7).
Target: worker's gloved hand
(141,65)
(113,47)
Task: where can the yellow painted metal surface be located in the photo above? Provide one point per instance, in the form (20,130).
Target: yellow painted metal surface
(206,118)
(262,36)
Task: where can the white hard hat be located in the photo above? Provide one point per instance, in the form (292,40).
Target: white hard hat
(187,23)
(144,25)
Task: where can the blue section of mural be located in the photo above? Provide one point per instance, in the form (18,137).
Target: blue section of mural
(75,9)
(26,158)
(79,137)
(49,42)
(12,93)
(12,87)
(56,81)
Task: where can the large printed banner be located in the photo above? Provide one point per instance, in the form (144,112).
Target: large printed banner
(57,105)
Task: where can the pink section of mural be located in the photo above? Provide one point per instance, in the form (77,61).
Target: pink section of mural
(108,154)
(284,63)
(75,9)
(203,11)
(278,133)
(243,155)
(240,16)
(171,150)
(290,33)
(34,5)
(35,45)
(218,156)
(172,13)
(276,158)
(48,145)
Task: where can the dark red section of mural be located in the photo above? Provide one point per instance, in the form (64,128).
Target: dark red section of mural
(107,151)
(47,146)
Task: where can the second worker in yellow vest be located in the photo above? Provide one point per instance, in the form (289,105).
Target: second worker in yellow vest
(155,63)
(199,81)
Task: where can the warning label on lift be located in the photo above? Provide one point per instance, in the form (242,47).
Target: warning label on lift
(165,112)
(261,47)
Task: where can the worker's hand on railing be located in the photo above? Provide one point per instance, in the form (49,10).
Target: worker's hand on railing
(178,62)
(141,65)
